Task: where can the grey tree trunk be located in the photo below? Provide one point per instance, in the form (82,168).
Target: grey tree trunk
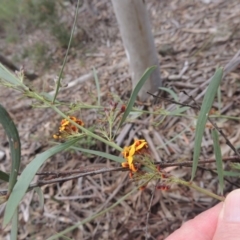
(135,29)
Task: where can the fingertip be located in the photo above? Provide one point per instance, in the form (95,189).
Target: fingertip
(202,227)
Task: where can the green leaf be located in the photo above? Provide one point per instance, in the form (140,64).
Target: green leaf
(235,166)
(39,192)
(27,176)
(14,227)
(66,238)
(14,143)
(9,77)
(203,116)
(219,97)
(4,176)
(101,154)
(178,111)
(231,174)
(171,92)
(133,97)
(218,156)
(97,86)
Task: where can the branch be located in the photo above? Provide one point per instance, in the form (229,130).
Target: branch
(189,163)
(104,170)
(196,106)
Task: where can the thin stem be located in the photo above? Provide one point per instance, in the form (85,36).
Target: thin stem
(199,189)
(89,133)
(189,163)
(65,58)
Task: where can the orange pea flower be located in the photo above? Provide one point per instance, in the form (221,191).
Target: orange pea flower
(137,148)
(67,128)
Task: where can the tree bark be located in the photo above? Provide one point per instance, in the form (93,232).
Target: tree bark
(135,29)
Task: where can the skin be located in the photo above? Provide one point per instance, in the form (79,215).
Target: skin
(202,227)
(221,222)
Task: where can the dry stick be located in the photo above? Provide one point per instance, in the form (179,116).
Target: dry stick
(149,209)
(196,106)
(57,180)
(162,165)
(104,170)
(70,172)
(230,66)
(189,163)
(214,172)
(172,101)
(216,126)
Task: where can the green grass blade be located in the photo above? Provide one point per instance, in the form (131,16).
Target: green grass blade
(9,77)
(14,227)
(178,111)
(235,166)
(219,96)
(97,86)
(133,97)
(66,238)
(171,92)
(101,154)
(203,115)
(39,192)
(218,156)
(14,143)
(4,176)
(231,174)
(27,176)
(68,48)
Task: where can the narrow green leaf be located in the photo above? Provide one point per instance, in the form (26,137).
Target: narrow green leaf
(133,97)
(9,77)
(101,154)
(171,92)
(178,111)
(218,156)
(14,143)
(4,176)
(231,174)
(66,238)
(14,227)
(219,96)
(97,86)
(203,115)
(39,192)
(235,166)
(27,176)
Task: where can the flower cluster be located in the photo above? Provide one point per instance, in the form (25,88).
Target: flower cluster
(139,147)
(67,128)
(138,155)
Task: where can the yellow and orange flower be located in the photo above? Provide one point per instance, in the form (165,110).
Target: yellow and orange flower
(137,148)
(67,128)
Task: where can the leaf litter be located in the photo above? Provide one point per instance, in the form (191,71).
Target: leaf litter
(192,38)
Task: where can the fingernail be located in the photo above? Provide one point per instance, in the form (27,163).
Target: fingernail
(231,207)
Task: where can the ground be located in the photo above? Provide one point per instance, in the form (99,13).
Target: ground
(192,38)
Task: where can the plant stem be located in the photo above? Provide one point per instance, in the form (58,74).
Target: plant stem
(199,189)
